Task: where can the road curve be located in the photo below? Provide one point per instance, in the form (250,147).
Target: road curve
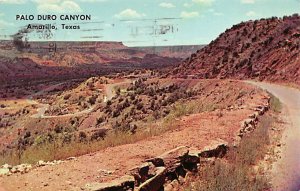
(286,171)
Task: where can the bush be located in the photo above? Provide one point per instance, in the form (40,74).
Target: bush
(100,120)
(92,100)
(82,136)
(98,135)
(66,97)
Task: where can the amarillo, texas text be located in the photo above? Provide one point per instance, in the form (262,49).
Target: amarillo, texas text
(51,26)
(53,17)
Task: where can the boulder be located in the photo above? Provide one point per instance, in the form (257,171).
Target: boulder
(41,163)
(254,116)
(143,172)
(249,122)
(193,156)
(155,183)
(171,159)
(217,149)
(22,168)
(4,171)
(261,109)
(124,183)
(7,166)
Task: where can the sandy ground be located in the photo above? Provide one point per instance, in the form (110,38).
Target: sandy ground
(286,171)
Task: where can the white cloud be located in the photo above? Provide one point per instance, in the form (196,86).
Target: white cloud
(189,15)
(187,4)
(56,6)
(13,1)
(248,1)
(203,2)
(216,13)
(251,13)
(129,14)
(167,5)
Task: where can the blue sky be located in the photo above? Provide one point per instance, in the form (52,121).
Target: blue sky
(197,21)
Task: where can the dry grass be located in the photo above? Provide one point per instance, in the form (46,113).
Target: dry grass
(58,150)
(236,172)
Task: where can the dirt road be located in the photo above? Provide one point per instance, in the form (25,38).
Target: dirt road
(286,171)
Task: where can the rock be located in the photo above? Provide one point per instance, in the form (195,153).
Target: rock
(143,172)
(71,158)
(249,122)
(155,183)
(261,109)
(22,168)
(215,150)
(7,166)
(123,184)
(171,159)
(193,156)
(254,115)
(41,163)
(4,171)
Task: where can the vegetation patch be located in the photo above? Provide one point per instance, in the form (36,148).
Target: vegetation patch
(236,171)
(275,104)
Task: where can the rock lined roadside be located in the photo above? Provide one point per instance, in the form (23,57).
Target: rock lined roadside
(248,125)
(162,171)
(169,170)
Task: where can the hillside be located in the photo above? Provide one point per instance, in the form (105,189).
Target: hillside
(266,49)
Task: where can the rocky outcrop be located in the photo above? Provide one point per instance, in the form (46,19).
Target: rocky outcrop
(164,171)
(171,159)
(143,172)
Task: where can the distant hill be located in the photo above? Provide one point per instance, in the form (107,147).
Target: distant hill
(183,51)
(266,49)
(63,60)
